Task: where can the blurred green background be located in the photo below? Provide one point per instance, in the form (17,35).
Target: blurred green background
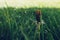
(18,24)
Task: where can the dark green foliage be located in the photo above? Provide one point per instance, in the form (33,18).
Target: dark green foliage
(18,24)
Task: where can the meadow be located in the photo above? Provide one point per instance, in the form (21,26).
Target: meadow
(18,24)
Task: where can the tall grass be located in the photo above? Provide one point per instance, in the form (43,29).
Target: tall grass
(19,24)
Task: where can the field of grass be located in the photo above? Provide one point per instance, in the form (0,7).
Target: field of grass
(18,24)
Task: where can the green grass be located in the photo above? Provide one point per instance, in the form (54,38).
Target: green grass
(18,24)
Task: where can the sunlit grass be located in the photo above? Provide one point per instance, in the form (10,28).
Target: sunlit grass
(30,3)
